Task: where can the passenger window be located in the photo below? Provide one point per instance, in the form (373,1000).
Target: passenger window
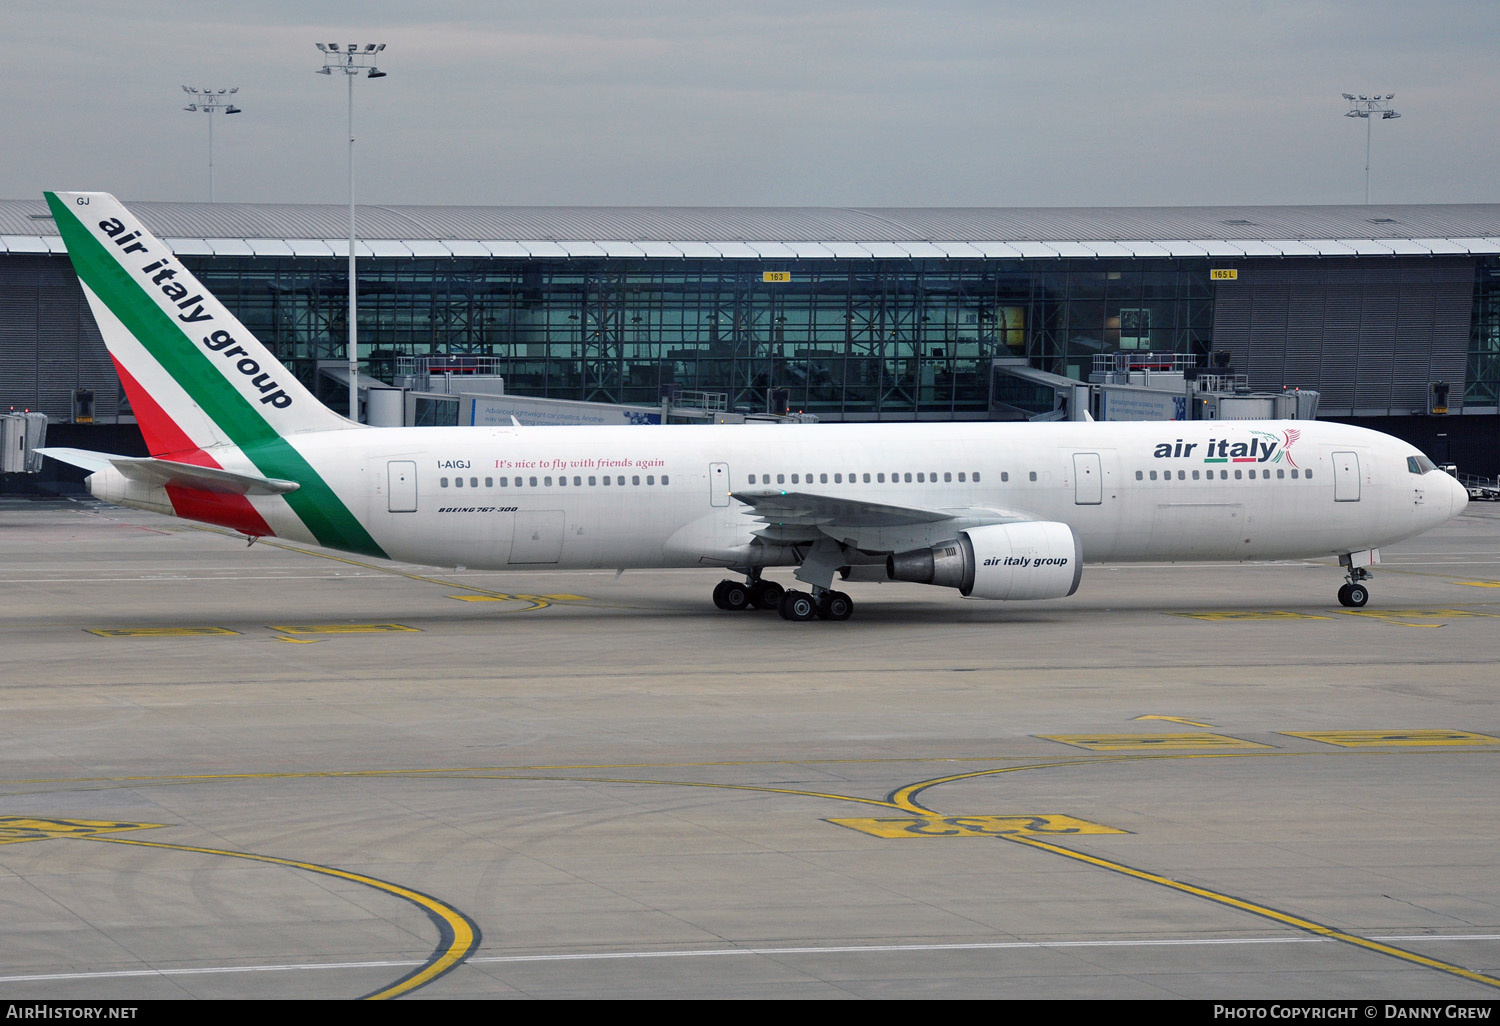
(562,482)
(533,482)
(664,479)
(1195,475)
(1223,475)
(908,477)
(1238,473)
(458,482)
(442,482)
(651,479)
(1153,475)
(751,479)
(606,481)
(620,480)
(1003,476)
(867,479)
(635,479)
(838,478)
(489,482)
(1140,475)
(593,481)
(794,479)
(781,479)
(822,479)
(1280,473)
(962,477)
(547,481)
(1307,473)
(1294,472)
(947,477)
(473,482)
(880,478)
(921,478)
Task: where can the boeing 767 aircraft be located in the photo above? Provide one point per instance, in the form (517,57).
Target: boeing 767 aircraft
(997,511)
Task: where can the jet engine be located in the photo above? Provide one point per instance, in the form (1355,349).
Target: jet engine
(1029,560)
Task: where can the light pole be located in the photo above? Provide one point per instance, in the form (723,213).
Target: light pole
(210,102)
(1370,108)
(351,60)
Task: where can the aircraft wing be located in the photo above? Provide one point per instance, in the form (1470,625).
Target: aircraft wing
(168,472)
(871,526)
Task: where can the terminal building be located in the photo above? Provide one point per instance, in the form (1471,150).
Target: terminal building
(1390,313)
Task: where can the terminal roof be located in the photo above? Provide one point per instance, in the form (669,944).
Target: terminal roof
(277,229)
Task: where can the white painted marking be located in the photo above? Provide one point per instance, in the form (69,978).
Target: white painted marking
(592,956)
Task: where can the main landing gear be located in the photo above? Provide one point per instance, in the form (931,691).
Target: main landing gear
(1355,593)
(822,604)
(755,593)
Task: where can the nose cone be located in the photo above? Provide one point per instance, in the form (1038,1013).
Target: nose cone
(1459,494)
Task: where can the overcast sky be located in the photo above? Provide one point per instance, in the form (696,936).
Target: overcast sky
(693,102)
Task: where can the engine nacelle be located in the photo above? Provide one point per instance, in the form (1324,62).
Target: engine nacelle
(1030,560)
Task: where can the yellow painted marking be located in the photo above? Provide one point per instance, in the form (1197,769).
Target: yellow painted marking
(973,826)
(497,597)
(1252,614)
(14,829)
(1176,719)
(345,628)
(1260,910)
(458,935)
(295,641)
(1416,614)
(1479,584)
(157,632)
(1128,742)
(1384,738)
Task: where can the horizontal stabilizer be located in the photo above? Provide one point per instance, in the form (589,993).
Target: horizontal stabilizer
(170,472)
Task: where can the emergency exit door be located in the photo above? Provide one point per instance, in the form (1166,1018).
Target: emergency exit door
(718,484)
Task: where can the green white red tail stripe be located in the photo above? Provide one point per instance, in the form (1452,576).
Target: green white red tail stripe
(213,393)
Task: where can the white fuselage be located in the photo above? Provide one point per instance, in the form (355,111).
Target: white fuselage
(530,498)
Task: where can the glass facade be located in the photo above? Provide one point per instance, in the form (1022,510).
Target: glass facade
(847,339)
(1482,382)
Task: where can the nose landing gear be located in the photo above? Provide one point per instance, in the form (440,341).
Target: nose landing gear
(1355,593)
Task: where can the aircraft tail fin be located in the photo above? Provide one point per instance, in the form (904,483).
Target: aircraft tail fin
(196,377)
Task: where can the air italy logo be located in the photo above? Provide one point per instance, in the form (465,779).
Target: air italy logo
(1263,447)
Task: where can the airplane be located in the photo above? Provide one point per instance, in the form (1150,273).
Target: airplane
(996,511)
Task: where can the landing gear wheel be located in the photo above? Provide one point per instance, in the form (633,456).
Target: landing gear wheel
(766,595)
(1358,595)
(1344,596)
(797,605)
(835,605)
(736,596)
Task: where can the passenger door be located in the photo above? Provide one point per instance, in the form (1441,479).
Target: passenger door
(401,486)
(1345,477)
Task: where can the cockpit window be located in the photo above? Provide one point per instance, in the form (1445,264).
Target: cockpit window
(1419,464)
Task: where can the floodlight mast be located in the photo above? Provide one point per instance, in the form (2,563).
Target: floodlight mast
(351,59)
(1370,107)
(210,102)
